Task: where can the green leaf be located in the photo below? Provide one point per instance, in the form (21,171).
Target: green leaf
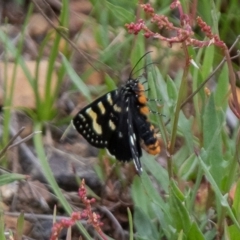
(110,83)
(137,52)
(130,220)
(165,221)
(10,177)
(180,216)
(207,62)
(2,236)
(212,141)
(40,151)
(151,192)
(236,201)
(120,13)
(233,232)
(139,197)
(144,226)
(172,90)
(188,167)
(156,170)
(195,233)
(221,92)
(177,191)
(222,199)
(82,87)
(185,126)
(20,226)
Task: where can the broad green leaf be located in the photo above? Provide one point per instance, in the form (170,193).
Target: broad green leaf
(172,90)
(233,232)
(195,233)
(139,196)
(212,141)
(185,126)
(180,156)
(177,191)
(180,235)
(144,226)
(151,192)
(156,170)
(178,210)
(222,199)
(187,169)
(161,86)
(165,221)
(221,92)
(207,62)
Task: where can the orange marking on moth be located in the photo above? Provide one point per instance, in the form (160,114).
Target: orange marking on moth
(141,96)
(154,149)
(140,87)
(144,110)
(152,128)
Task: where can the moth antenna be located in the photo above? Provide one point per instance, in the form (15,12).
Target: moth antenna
(130,75)
(145,67)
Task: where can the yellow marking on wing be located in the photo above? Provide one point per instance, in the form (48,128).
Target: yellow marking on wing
(117,108)
(96,127)
(109,98)
(101,107)
(112,125)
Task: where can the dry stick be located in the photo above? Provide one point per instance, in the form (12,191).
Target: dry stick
(24,139)
(8,146)
(212,74)
(30,157)
(118,226)
(33,216)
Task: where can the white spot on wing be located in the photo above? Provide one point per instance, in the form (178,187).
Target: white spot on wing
(82,117)
(134,136)
(132,141)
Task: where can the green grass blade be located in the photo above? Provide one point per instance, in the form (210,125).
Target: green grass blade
(20,226)
(82,87)
(38,142)
(130,220)
(11,177)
